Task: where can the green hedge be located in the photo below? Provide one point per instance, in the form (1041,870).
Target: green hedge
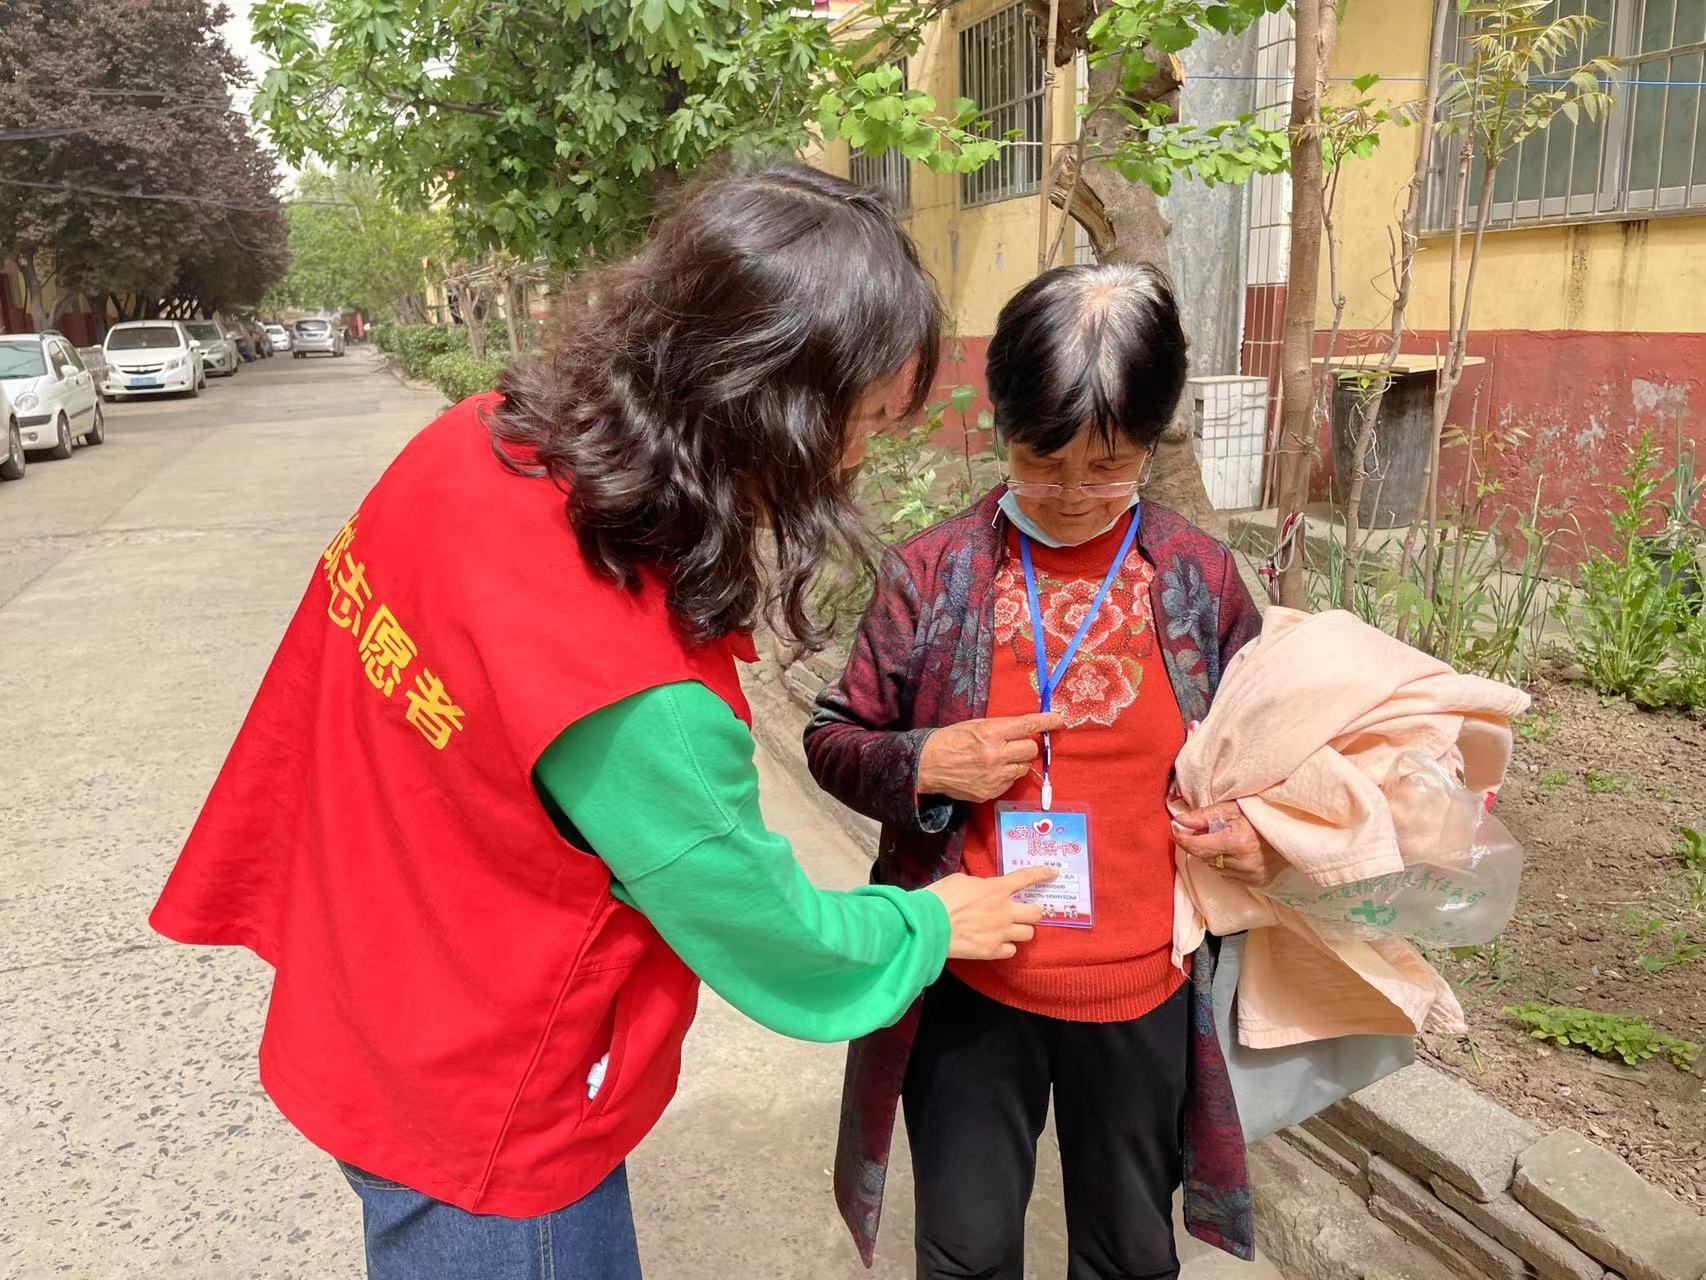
(418,345)
(460,375)
(413,347)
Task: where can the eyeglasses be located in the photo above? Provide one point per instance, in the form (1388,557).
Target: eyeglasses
(1105,489)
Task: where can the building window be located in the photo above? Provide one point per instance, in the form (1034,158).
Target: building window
(1001,69)
(1648,154)
(889,172)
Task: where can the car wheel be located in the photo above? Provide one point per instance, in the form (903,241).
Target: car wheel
(12,468)
(98,430)
(62,444)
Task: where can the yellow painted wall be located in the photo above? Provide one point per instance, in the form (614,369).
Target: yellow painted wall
(979,256)
(1641,275)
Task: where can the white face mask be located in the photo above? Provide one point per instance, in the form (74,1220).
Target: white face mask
(1029,527)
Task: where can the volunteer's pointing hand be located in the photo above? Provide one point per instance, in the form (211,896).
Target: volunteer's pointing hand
(978,760)
(984,923)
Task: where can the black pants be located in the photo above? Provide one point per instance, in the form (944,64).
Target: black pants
(976,1097)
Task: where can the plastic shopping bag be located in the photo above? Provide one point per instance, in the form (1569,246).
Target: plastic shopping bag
(1277,1088)
(1460,879)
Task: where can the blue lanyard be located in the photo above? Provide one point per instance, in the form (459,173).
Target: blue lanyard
(1048,681)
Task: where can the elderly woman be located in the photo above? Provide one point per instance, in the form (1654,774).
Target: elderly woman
(1060,593)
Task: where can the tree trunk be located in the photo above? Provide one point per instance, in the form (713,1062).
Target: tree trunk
(1317,27)
(474,320)
(1125,225)
(512,326)
(34,303)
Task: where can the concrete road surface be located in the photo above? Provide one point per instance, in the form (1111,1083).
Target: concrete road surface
(143,585)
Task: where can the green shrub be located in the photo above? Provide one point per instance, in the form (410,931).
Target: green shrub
(1629,606)
(418,345)
(1632,1039)
(1691,848)
(460,375)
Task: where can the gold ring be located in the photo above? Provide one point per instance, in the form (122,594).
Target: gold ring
(1220,862)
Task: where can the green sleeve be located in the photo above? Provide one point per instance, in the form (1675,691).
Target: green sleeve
(662,786)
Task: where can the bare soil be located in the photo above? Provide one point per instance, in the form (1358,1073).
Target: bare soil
(1596,796)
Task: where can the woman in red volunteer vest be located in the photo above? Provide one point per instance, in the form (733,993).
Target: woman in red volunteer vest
(493,813)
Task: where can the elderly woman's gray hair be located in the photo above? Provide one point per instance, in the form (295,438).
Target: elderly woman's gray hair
(1087,346)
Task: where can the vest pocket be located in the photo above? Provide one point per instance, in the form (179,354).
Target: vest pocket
(613,1051)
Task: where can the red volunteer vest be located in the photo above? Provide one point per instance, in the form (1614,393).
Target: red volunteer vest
(448,968)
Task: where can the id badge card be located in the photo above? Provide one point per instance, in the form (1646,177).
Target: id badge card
(1058,838)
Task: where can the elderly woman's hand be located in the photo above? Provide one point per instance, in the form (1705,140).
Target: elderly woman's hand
(978,760)
(1222,836)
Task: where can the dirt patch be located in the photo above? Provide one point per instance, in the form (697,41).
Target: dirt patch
(1597,795)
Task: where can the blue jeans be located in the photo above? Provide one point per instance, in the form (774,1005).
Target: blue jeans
(411,1236)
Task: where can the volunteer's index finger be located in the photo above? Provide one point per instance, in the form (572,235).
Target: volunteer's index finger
(1025,877)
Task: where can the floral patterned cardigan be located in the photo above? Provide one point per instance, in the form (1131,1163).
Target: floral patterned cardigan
(920,660)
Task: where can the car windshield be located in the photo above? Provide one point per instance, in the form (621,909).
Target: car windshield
(143,337)
(21,360)
(312,326)
(274,329)
(204,332)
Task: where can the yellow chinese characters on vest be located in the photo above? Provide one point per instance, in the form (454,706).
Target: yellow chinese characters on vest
(384,648)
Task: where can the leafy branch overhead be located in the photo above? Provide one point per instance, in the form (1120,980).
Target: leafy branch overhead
(1512,83)
(550,127)
(1141,38)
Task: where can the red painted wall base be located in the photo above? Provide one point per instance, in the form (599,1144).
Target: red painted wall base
(1561,409)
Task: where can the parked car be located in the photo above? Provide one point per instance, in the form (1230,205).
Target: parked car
(12,465)
(52,394)
(279,336)
(152,357)
(218,352)
(95,361)
(316,335)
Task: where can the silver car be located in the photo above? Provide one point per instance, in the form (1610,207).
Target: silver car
(218,352)
(323,336)
(279,336)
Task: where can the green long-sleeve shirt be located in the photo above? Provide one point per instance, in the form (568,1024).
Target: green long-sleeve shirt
(662,786)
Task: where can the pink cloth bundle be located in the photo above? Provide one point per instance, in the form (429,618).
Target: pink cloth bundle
(1307,734)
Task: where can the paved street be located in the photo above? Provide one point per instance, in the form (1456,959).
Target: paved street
(143,585)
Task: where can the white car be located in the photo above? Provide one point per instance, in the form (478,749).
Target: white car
(279,336)
(52,393)
(218,352)
(152,357)
(12,462)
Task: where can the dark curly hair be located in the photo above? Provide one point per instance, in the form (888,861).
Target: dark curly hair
(705,387)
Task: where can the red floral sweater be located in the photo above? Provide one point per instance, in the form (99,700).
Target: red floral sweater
(1123,730)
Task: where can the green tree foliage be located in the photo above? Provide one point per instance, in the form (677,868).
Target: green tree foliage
(123,168)
(550,127)
(1138,37)
(351,246)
